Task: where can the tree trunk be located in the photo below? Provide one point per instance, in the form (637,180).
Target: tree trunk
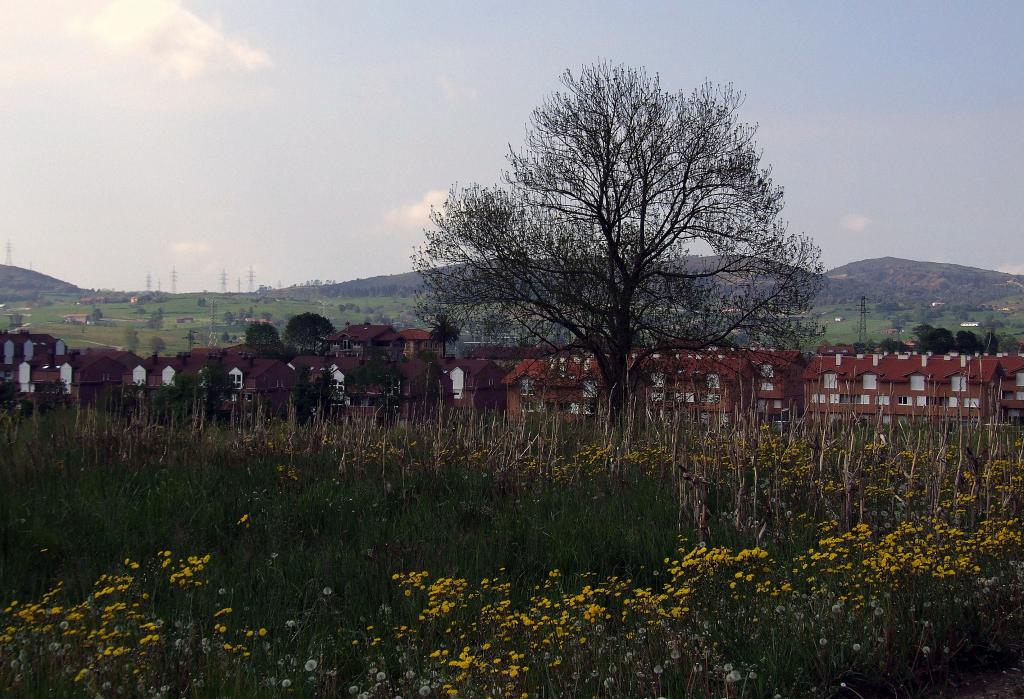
(617,380)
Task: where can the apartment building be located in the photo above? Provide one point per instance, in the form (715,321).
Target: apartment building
(717,382)
(906,386)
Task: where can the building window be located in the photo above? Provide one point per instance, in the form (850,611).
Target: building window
(916,382)
(590,388)
(952,402)
(761,404)
(1020,379)
(767,386)
(864,399)
(922,401)
(767,371)
(236,380)
(526,387)
(903,400)
(959,384)
(776,403)
(882,400)
(972,403)
(712,398)
(870,382)
(713,381)
(833,398)
(829,380)
(658,380)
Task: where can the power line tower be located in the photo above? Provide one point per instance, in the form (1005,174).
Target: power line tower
(223,281)
(149,281)
(212,340)
(252,280)
(9,257)
(238,284)
(158,283)
(174,280)
(862,324)
(191,339)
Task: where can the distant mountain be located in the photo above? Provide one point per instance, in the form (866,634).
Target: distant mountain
(908,281)
(384,285)
(883,279)
(17,283)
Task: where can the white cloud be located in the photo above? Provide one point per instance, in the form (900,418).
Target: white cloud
(416,215)
(454,92)
(190,247)
(1012,269)
(855,223)
(168,35)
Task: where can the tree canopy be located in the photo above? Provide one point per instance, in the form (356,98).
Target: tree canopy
(633,219)
(263,339)
(307,332)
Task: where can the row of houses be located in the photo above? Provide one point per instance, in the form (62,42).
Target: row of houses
(39,364)
(783,385)
(370,366)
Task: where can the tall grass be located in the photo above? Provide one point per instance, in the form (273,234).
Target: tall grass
(631,558)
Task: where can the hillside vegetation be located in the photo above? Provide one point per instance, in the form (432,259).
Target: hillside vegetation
(900,293)
(17,283)
(909,281)
(403,285)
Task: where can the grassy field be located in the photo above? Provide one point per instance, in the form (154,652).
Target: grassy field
(194,313)
(470,557)
(48,317)
(845,331)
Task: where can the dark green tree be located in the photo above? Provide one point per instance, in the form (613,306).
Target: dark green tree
(967,342)
(891,345)
(307,333)
(263,339)
(444,331)
(314,393)
(937,340)
(378,377)
(204,393)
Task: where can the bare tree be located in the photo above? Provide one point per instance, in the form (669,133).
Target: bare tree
(633,220)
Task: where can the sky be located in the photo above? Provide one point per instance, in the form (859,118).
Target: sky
(308,140)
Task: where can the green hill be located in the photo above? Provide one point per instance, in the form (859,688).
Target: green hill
(17,283)
(908,281)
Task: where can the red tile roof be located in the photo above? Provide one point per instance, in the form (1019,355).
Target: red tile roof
(414,334)
(899,368)
(366,332)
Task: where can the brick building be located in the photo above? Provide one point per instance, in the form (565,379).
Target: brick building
(723,383)
(367,340)
(906,386)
